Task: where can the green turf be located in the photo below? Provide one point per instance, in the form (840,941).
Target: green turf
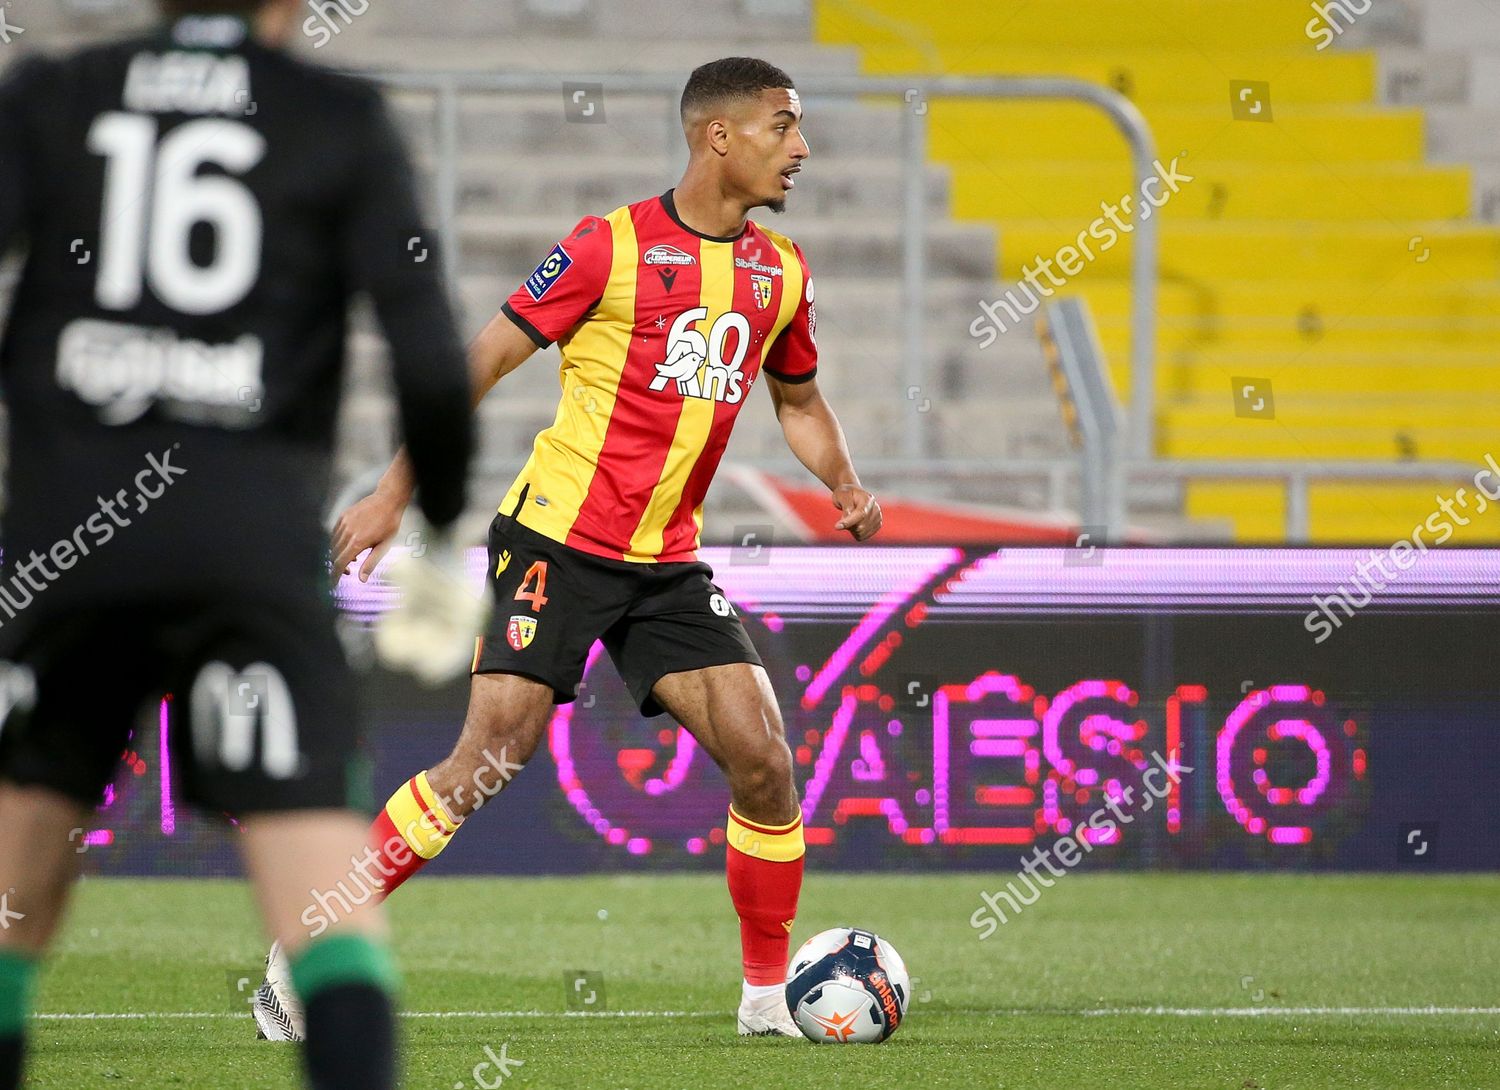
(1005,1013)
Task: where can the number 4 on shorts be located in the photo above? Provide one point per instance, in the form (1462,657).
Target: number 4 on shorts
(538,596)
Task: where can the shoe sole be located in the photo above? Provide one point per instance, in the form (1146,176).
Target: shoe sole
(272,1023)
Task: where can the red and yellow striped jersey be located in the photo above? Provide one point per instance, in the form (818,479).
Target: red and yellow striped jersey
(662,331)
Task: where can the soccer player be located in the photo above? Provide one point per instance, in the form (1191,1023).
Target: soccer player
(667,312)
(198,207)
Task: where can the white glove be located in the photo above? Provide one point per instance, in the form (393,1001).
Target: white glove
(431,632)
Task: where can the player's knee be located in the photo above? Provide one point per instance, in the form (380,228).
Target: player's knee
(767,777)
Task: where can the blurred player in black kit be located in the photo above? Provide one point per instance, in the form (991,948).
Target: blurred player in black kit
(197,207)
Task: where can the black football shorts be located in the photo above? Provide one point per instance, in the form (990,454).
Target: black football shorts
(262,717)
(553,601)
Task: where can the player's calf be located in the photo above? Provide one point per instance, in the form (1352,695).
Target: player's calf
(506,719)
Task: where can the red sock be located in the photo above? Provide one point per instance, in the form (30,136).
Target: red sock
(764,867)
(408,833)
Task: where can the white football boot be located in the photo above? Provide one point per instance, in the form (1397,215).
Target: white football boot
(767,1017)
(277,1010)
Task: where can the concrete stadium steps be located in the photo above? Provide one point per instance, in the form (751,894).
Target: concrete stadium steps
(827,186)
(636,23)
(855,246)
(979,130)
(1369,252)
(1227,299)
(1343,512)
(638,126)
(593,58)
(1147,75)
(1096,25)
(1218,433)
(1393,374)
(1070,193)
(1185,339)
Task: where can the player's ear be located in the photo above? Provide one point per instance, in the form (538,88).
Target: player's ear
(718,137)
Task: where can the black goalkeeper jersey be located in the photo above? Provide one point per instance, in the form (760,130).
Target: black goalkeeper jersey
(197,211)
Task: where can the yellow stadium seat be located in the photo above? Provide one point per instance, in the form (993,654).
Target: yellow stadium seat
(1318,252)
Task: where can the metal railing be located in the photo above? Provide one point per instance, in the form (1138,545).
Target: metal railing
(1062,479)
(914,92)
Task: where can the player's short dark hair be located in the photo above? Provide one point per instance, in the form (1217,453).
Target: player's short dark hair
(174,9)
(729,78)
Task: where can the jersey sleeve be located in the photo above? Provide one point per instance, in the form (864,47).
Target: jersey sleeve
(386,253)
(794,355)
(566,285)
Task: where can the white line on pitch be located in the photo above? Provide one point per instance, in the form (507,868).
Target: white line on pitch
(1098,1012)
(1262,1012)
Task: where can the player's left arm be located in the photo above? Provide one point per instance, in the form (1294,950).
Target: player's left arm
(815,436)
(807,420)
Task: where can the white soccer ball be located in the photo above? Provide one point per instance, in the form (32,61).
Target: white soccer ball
(847,986)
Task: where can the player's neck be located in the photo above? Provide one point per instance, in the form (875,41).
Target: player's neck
(703,207)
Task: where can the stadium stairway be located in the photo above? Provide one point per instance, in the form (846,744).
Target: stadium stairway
(1330,243)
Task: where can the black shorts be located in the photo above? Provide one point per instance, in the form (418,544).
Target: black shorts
(553,601)
(263,714)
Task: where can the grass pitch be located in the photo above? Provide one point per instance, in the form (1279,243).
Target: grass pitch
(1240,982)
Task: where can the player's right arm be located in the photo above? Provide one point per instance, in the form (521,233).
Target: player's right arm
(553,299)
(411,303)
(373,522)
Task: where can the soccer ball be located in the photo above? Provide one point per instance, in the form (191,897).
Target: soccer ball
(847,986)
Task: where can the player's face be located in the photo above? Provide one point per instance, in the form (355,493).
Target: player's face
(768,148)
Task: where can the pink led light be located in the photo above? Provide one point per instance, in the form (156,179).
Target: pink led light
(823,768)
(998,747)
(638,845)
(985,684)
(559,741)
(1279,730)
(894,599)
(677,768)
(168,811)
(1097,723)
(1003,728)
(99,837)
(870,767)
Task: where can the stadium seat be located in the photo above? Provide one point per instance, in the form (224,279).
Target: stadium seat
(1321,251)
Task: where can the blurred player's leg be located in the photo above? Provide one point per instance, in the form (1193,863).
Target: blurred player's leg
(341,969)
(506,718)
(38,862)
(732,712)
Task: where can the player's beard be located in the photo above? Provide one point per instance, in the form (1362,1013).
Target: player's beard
(777,205)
